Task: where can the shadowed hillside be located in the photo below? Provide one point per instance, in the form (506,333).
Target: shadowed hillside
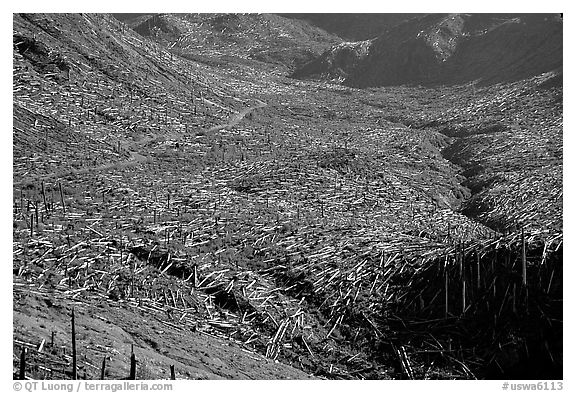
(439,49)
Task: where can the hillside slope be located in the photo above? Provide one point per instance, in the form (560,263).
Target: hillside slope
(89,95)
(264,38)
(98,84)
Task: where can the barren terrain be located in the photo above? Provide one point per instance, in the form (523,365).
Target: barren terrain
(225,219)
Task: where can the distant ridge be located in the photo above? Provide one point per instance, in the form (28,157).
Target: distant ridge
(354,27)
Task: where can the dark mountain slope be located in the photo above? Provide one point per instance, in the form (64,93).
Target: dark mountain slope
(518,49)
(402,52)
(449,49)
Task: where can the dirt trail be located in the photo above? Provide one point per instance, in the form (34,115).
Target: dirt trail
(237,118)
(135,156)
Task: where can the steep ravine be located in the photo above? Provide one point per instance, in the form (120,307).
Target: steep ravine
(455,153)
